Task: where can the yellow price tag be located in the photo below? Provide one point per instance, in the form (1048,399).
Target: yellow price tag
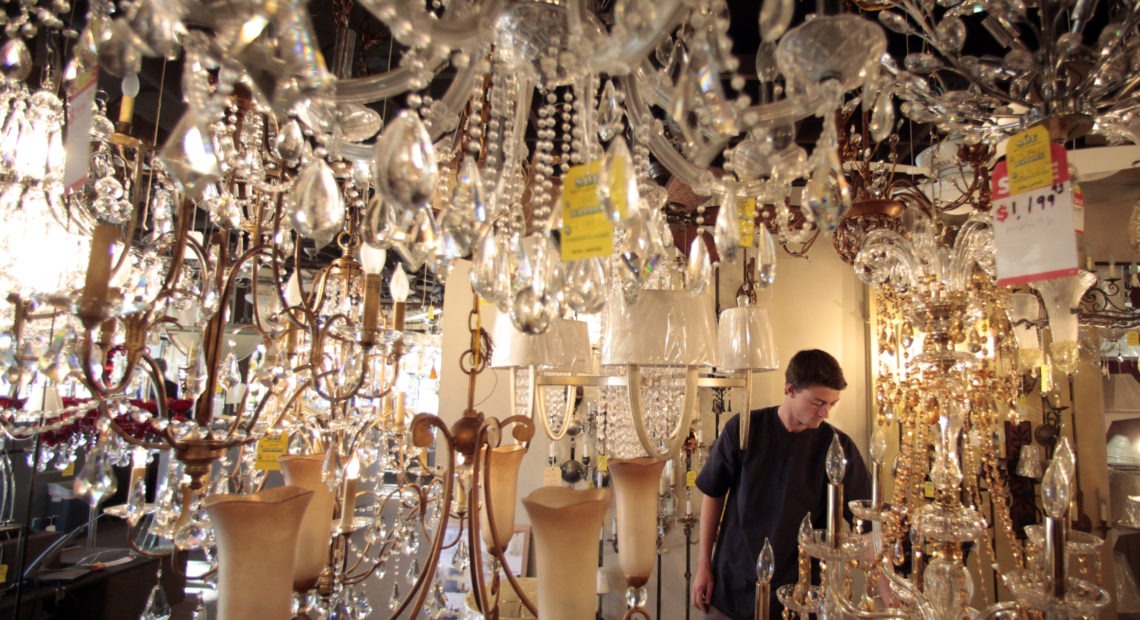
(928,489)
(746,214)
(70,471)
(1029,160)
(603,462)
(3,573)
(690,478)
(586,231)
(269,448)
(1132,339)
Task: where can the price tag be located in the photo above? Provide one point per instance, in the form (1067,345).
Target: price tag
(1078,209)
(586,231)
(746,212)
(3,573)
(928,489)
(268,449)
(603,463)
(690,478)
(1033,230)
(80,110)
(70,471)
(1132,339)
(551,476)
(1029,159)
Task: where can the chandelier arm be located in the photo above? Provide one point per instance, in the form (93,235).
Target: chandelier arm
(676,438)
(467,32)
(488,604)
(536,406)
(422,437)
(908,591)
(848,609)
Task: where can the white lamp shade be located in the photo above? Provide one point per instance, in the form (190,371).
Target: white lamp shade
(564,347)
(745,335)
(664,328)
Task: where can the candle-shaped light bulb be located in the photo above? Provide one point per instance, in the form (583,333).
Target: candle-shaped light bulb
(293,290)
(765,563)
(1064,454)
(372,259)
(836,465)
(399,286)
(878,447)
(348,503)
(805,530)
(1055,489)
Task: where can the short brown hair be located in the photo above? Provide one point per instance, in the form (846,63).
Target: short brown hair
(813,367)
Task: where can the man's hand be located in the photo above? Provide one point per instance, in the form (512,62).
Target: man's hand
(703,588)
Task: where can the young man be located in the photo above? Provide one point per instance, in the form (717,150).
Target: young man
(765,490)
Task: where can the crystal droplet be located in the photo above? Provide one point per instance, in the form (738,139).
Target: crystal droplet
(775,15)
(316,201)
(765,257)
(157,607)
(462,558)
(290,142)
(412,575)
(699,271)
(394,599)
(531,311)
(609,112)
(617,183)
(465,219)
(136,501)
(638,251)
(15,60)
(195,382)
(664,51)
(895,22)
(922,63)
(489,275)
(586,285)
(827,192)
(882,117)
(406,170)
(726,233)
(951,32)
(96,481)
(189,154)
(423,243)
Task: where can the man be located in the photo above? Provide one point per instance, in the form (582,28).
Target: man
(765,490)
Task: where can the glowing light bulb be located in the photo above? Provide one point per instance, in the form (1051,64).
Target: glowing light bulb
(1055,489)
(372,259)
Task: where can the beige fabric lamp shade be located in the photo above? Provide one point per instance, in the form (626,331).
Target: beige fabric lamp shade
(564,347)
(746,342)
(663,328)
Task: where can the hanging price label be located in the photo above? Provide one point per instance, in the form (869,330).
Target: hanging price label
(551,476)
(269,448)
(1132,339)
(80,111)
(603,463)
(586,231)
(1078,209)
(746,214)
(1033,230)
(690,478)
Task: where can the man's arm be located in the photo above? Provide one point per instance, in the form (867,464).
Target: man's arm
(711,509)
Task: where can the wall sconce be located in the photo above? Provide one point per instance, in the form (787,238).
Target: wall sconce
(558,357)
(662,330)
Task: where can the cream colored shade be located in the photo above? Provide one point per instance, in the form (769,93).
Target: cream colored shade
(312,550)
(257,538)
(663,328)
(503,465)
(564,347)
(635,489)
(745,337)
(566,524)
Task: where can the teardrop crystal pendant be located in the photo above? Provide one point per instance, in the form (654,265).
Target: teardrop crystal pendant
(639,253)
(827,192)
(765,257)
(586,285)
(406,170)
(423,242)
(617,183)
(96,481)
(699,273)
(609,111)
(726,233)
(157,607)
(490,276)
(189,155)
(465,219)
(136,500)
(316,201)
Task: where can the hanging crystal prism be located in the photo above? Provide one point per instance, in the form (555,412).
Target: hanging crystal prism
(189,155)
(316,202)
(726,232)
(699,272)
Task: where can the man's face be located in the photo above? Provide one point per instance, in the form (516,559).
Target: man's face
(811,406)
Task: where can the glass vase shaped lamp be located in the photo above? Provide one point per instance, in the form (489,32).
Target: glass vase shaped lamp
(497,511)
(635,483)
(566,525)
(669,332)
(1061,297)
(553,359)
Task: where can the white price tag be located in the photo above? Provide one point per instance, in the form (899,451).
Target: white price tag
(1033,230)
(80,110)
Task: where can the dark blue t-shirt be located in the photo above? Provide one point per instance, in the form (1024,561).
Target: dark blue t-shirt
(771,486)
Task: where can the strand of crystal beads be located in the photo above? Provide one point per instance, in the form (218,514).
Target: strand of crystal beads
(475,116)
(580,139)
(501,107)
(566,133)
(541,183)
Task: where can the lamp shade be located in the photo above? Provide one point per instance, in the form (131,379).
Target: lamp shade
(663,328)
(745,337)
(564,347)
